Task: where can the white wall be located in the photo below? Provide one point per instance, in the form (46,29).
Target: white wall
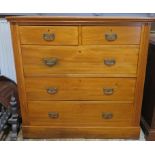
(7,67)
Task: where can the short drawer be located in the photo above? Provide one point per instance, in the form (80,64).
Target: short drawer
(49,35)
(49,60)
(80,89)
(84,113)
(111,35)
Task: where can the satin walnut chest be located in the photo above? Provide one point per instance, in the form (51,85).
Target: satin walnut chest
(80,77)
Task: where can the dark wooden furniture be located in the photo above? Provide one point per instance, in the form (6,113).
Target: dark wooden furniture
(9,108)
(148,108)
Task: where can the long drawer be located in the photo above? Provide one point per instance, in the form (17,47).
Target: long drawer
(111,89)
(92,35)
(84,113)
(48,60)
(49,35)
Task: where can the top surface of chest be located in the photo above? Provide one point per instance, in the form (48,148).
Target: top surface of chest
(75,19)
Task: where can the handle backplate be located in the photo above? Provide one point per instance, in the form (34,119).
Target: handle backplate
(109,62)
(111,36)
(108,91)
(50,61)
(107,115)
(53,115)
(49,36)
(52,90)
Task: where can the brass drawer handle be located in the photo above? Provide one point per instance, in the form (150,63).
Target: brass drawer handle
(107,115)
(49,36)
(50,61)
(108,91)
(52,90)
(110,36)
(53,115)
(109,62)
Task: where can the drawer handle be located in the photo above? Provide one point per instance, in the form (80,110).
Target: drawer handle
(48,36)
(108,91)
(52,90)
(110,36)
(107,115)
(53,115)
(50,61)
(109,62)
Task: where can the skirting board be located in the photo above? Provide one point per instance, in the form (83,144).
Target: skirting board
(81,132)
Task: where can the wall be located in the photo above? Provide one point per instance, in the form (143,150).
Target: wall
(7,67)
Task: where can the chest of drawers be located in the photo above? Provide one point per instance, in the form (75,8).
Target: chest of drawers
(80,77)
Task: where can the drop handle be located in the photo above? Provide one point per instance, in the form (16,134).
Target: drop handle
(108,91)
(52,90)
(48,36)
(109,62)
(50,61)
(107,115)
(111,36)
(53,115)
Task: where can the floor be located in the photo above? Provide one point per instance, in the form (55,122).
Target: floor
(20,138)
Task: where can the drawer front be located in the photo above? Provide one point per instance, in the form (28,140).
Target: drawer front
(46,60)
(49,35)
(111,35)
(82,113)
(80,88)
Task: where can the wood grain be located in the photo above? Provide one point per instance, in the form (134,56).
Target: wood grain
(80,75)
(76,20)
(80,60)
(81,132)
(95,35)
(64,35)
(141,71)
(84,113)
(80,88)
(20,74)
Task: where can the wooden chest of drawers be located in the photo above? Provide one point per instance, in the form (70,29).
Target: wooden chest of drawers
(80,77)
